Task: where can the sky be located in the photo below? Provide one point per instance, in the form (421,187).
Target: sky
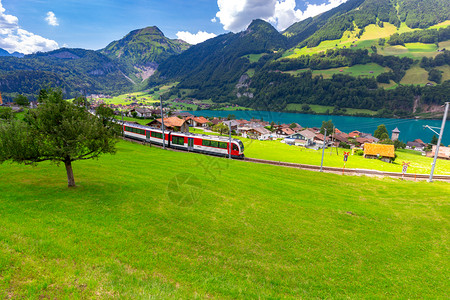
(28,26)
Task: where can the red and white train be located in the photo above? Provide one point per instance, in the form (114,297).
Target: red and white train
(208,144)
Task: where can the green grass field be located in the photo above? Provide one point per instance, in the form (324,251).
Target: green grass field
(148,223)
(415,75)
(275,150)
(321,109)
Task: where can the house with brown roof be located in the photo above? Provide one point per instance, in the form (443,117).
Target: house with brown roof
(283,131)
(197,121)
(379,151)
(171,123)
(354,134)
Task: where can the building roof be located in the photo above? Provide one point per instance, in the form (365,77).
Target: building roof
(319,137)
(262,130)
(363,140)
(287,131)
(396,130)
(307,134)
(415,145)
(420,142)
(379,149)
(171,122)
(201,120)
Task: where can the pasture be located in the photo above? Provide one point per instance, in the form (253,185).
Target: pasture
(148,223)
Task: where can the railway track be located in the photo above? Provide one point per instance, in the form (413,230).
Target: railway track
(357,172)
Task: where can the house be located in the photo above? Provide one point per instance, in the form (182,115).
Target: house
(171,123)
(233,123)
(197,121)
(143,112)
(283,131)
(260,133)
(183,115)
(319,139)
(369,137)
(379,151)
(354,134)
(415,146)
(303,138)
(444,152)
(363,141)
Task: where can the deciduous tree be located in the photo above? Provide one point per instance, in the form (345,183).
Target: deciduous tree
(57,131)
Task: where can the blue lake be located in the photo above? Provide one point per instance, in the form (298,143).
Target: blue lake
(410,129)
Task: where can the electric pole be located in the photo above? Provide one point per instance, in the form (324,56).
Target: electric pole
(323,149)
(162,123)
(229,128)
(441,133)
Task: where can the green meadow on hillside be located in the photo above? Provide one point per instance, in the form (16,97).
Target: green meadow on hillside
(148,223)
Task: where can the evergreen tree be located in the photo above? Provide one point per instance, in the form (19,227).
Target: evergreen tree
(379,132)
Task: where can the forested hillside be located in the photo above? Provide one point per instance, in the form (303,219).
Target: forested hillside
(74,70)
(144,46)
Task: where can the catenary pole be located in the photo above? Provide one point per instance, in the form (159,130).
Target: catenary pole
(441,133)
(229,129)
(162,123)
(323,149)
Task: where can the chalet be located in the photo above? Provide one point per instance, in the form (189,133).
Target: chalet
(303,138)
(143,112)
(319,139)
(260,133)
(363,141)
(415,146)
(284,131)
(233,123)
(369,137)
(444,152)
(354,134)
(197,121)
(378,151)
(171,123)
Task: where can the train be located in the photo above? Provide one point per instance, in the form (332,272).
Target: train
(200,143)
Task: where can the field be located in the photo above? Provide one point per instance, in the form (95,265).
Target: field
(321,109)
(415,75)
(367,70)
(275,150)
(412,50)
(211,228)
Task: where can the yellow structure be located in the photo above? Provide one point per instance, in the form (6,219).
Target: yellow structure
(1,99)
(383,152)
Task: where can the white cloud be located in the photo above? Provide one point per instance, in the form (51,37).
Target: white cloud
(193,39)
(13,38)
(236,15)
(52,19)
(214,20)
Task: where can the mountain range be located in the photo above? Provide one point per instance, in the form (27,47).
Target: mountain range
(361,54)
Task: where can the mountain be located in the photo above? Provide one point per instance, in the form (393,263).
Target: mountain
(357,14)
(3,52)
(216,65)
(73,70)
(144,48)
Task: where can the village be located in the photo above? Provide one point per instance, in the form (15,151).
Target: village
(358,142)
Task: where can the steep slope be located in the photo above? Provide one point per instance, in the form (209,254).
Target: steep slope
(74,70)
(144,46)
(215,66)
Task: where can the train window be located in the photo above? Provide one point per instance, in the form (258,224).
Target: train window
(214,144)
(235,147)
(206,143)
(223,145)
(178,140)
(156,135)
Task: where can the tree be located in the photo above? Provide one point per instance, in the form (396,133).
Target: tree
(81,101)
(434,140)
(57,131)
(6,113)
(292,126)
(379,131)
(21,100)
(327,125)
(231,117)
(221,128)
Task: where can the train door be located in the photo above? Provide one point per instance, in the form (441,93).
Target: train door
(147,135)
(190,144)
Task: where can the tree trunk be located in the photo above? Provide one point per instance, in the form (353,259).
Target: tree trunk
(70,178)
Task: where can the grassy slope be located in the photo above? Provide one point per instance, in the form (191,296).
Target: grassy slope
(279,232)
(415,75)
(320,109)
(275,150)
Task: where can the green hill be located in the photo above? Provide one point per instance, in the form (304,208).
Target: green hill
(74,70)
(144,46)
(139,225)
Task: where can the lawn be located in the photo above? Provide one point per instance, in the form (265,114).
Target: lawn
(367,70)
(148,223)
(275,150)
